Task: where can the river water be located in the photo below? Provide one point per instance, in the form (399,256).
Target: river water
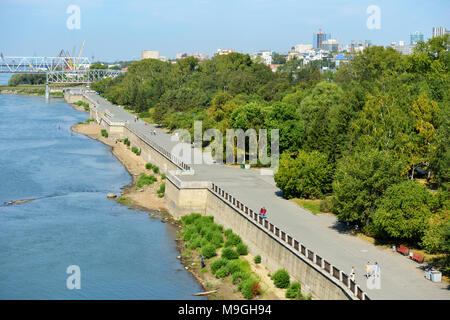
(121,253)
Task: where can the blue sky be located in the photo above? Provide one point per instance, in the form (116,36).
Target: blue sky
(119,30)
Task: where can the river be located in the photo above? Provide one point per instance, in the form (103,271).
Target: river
(121,253)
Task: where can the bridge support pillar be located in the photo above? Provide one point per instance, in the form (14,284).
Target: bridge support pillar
(47,91)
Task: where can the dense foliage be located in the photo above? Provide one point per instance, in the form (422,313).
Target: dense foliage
(361,136)
(18,78)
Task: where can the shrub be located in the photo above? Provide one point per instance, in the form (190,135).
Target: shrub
(242,249)
(293,290)
(148,166)
(281,279)
(161,190)
(258,259)
(222,272)
(247,287)
(104,133)
(234,266)
(209,250)
(145,180)
(163,176)
(228,232)
(191,218)
(229,253)
(325,205)
(234,239)
(195,242)
(240,276)
(217,264)
(155,169)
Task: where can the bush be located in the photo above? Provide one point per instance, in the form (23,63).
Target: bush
(246,287)
(145,180)
(222,272)
(234,266)
(209,251)
(240,276)
(161,190)
(228,232)
(242,249)
(163,176)
(217,264)
(104,133)
(229,253)
(195,242)
(325,205)
(293,290)
(281,279)
(148,166)
(234,239)
(258,259)
(155,169)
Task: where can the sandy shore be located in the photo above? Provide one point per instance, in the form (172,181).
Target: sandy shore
(146,198)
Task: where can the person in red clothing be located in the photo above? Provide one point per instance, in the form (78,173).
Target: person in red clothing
(263,212)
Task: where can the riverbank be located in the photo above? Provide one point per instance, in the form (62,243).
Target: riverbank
(146,198)
(38,90)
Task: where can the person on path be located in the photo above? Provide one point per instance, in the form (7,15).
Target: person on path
(368,269)
(352,274)
(263,212)
(203,262)
(376,269)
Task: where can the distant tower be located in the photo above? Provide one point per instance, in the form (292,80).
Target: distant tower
(440,31)
(416,37)
(319,38)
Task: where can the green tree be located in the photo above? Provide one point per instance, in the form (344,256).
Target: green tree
(308,175)
(360,180)
(403,211)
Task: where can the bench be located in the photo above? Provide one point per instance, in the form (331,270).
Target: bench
(417,257)
(403,250)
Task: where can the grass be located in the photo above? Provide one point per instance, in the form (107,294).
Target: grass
(311,205)
(125,201)
(86,121)
(145,180)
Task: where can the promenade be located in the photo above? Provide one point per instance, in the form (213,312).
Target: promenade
(401,278)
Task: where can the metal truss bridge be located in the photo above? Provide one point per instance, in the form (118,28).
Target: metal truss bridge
(41,64)
(80,76)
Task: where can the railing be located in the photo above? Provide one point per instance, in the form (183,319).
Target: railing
(169,156)
(280,236)
(331,272)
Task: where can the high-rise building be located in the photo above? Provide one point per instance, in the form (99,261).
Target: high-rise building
(439,31)
(416,37)
(303,48)
(220,52)
(330,45)
(150,54)
(319,38)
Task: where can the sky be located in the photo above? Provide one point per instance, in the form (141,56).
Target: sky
(119,30)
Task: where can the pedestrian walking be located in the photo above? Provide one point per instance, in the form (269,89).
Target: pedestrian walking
(368,270)
(376,269)
(263,212)
(203,262)
(352,274)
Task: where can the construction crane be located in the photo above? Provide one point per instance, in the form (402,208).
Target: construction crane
(81,51)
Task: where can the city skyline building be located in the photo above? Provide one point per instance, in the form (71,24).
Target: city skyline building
(319,38)
(439,31)
(415,37)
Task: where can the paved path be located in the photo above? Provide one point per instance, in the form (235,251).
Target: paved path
(401,278)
